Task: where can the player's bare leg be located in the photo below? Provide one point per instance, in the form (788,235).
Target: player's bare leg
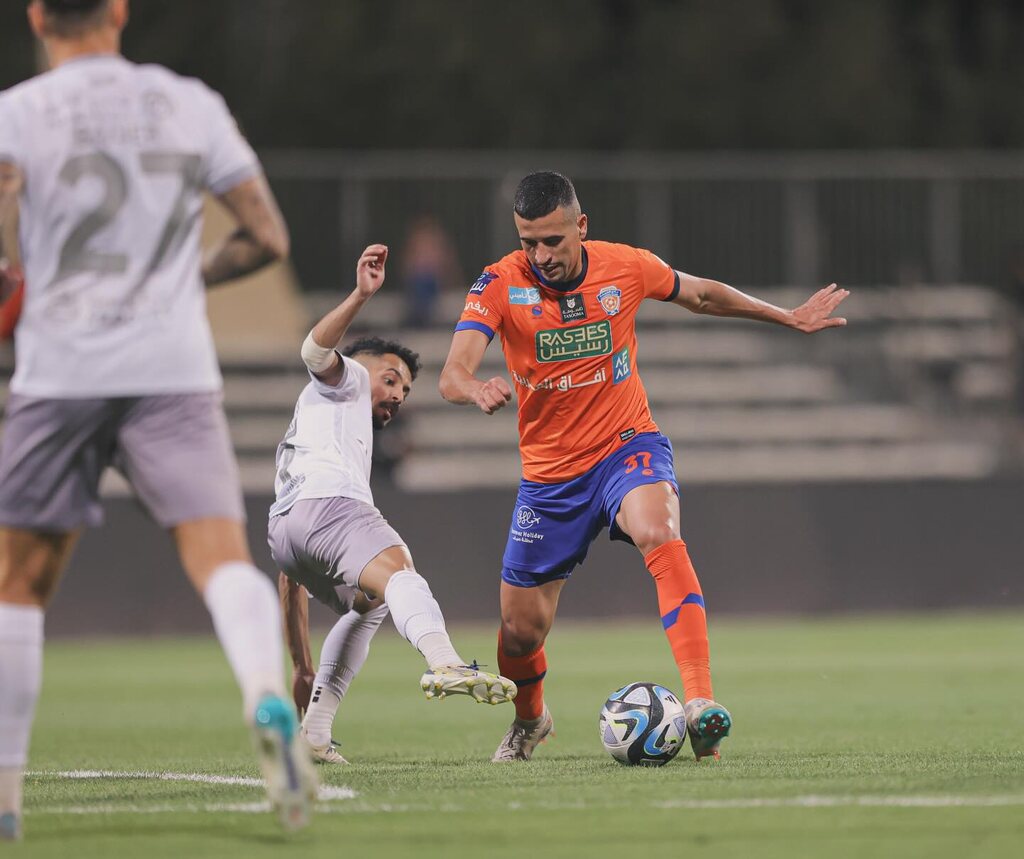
(650,515)
(392,577)
(243,605)
(527,615)
(30,567)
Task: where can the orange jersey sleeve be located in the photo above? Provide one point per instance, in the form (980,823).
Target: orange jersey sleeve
(484,308)
(660,280)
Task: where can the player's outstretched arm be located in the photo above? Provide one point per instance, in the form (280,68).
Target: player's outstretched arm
(261,237)
(717,299)
(459,384)
(318,350)
(295,607)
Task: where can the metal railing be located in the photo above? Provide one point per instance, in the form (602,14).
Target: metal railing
(861,218)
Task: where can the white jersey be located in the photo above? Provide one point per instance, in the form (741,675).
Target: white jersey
(327,450)
(115,158)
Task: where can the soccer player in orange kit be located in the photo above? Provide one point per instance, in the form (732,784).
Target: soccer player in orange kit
(565,309)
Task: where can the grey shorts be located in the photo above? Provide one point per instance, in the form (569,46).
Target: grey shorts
(174,449)
(324,544)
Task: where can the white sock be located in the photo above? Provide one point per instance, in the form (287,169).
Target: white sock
(418,618)
(243,604)
(343,654)
(21,675)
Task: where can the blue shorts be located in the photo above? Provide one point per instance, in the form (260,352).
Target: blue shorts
(554,523)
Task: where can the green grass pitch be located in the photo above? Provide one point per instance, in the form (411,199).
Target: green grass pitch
(889,736)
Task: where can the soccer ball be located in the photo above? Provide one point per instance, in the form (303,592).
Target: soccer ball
(643,723)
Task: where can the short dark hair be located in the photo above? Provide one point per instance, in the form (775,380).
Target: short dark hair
(380,346)
(539,194)
(72,7)
(71,18)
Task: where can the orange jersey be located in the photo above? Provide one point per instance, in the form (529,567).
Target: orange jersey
(571,352)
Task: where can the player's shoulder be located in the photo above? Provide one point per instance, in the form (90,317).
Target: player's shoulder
(191,87)
(357,370)
(18,93)
(510,269)
(602,252)
(618,260)
(511,266)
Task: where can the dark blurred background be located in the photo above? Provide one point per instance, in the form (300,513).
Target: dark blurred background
(774,144)
(592,74)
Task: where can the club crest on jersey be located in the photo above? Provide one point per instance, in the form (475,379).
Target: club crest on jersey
(572,307)
(526,518)
(480,284)
(610,298)
(523,295)
(621,368)
(570,344)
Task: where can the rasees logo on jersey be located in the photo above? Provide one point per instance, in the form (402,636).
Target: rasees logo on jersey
(610,298)
(570,344)
(480,284)
(523,295)
(572,307)
(621,368)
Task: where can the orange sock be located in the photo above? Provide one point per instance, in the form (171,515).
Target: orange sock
(682,614)
(528,674)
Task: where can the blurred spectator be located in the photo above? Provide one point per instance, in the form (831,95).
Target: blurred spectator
(389,449)
(429,264)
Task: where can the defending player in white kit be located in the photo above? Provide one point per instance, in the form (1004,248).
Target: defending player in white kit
(327,536)
(104,162)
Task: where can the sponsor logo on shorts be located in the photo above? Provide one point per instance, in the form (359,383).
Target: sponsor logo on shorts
(571,344)
(621,368)
(610,298)
(626,435)
(526,518)
(523,295)
(480,284)
(572,307)
(475,305)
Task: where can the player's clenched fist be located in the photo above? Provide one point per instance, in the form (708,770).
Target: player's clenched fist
(492,395)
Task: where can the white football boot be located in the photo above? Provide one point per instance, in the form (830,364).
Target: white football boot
(327,753)
(284,761)
(707,724)
(482,686)
(521,740)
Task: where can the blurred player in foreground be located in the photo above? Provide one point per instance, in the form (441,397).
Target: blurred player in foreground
(592,455)
(327,536)
(106,162)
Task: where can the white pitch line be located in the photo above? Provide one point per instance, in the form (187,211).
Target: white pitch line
(331,793)
(327,793)
(196,778)
(823,801)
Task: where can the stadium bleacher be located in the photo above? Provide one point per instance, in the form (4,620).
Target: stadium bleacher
(915,388)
